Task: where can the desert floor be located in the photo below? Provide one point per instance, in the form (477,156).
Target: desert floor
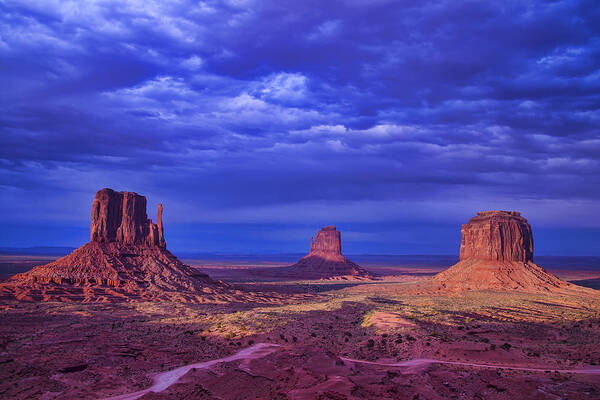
(341,339)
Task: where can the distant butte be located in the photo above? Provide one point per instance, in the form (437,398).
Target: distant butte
(126,259)
(496,253)
(325,259)
(121,217)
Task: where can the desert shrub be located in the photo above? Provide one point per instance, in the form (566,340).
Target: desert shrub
(506,346)
(370,343)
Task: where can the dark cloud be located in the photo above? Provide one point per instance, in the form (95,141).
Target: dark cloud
(248,112)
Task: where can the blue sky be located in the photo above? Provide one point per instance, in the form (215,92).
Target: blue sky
(257,122)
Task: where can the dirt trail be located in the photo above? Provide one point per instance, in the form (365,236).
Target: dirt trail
(165,379)
(418,362)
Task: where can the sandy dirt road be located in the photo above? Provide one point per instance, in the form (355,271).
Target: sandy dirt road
(421,362)
(165,379)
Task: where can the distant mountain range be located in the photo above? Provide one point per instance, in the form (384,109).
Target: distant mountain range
(552,262)
(38,250)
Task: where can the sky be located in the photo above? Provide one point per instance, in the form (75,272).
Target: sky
(256,123)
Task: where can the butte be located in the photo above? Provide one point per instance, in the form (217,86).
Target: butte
(496,253)
(325,259)
(126,259)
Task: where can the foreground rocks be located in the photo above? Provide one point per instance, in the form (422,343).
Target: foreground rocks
(496,253)
(325,259)
(126,259)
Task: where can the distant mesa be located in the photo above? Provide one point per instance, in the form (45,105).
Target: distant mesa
(126,259)
(496,253)
(325,259)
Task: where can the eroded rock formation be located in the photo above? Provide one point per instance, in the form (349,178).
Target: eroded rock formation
(325,259)
(328,243)
(121,217)
(497,236)
(125,259)
(496,252)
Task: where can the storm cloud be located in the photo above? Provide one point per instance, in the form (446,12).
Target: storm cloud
(273,118)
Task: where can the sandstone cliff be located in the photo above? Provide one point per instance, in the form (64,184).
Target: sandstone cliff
(497,236)
(325,259)
(121,217)
(496,252)
(126,259)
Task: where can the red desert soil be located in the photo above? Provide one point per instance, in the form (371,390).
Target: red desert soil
(163,380)
(57,350)
(390,338)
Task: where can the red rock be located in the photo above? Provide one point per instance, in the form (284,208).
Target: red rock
(496,252)
(325,259)
(159,227)
(328,243)
(125,259)
(498,236)
(121,217)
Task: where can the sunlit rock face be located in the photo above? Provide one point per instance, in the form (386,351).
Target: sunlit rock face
(121,217)
(496,253)
(327,244)
(325,258)
(497,236)
(126,259)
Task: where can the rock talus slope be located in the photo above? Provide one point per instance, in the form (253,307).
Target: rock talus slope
(125,259)
(496,253)
(325,259)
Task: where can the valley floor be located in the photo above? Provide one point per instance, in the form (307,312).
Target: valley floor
(340,340)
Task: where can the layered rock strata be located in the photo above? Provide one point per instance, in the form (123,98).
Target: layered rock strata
(496,253)
(497,236)
(126,258)
(121,217)
(325,259)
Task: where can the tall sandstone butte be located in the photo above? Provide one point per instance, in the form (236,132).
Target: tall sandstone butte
(325,259)
(497,236)
(496,252)
(126,259)
(121,217)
